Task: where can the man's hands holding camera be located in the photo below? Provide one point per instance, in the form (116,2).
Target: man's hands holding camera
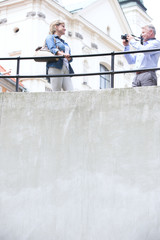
(126,39)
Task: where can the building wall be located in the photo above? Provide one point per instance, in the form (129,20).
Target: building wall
(80,165)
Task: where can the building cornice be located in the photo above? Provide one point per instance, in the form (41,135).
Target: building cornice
(126,3)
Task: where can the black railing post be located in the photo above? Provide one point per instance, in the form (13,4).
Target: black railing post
(17,79)
(112,69)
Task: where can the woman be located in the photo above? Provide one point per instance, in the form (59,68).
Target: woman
(59,47)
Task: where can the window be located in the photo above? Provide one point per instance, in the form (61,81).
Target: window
(105,81)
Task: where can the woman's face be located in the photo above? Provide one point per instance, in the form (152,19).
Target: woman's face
(60,29)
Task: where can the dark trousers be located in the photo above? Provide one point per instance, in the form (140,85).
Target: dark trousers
(145,79)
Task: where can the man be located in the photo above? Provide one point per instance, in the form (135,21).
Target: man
(146,59)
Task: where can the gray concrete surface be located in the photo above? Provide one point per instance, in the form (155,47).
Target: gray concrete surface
(80,165)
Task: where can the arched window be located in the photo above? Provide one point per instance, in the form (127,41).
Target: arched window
(105,81)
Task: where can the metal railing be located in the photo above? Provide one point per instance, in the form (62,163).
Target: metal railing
(112,72)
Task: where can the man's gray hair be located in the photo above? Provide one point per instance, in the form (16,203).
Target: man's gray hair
(150,26)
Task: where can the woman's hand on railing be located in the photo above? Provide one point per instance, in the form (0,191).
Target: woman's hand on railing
(67,56)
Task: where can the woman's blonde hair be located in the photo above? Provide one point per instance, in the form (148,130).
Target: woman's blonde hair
(53,25)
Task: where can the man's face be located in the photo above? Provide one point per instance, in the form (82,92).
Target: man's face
(147,33)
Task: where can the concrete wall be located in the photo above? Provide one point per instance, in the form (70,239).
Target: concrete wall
(80,165)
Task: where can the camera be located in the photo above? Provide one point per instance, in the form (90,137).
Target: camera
(124,37)
(135,37)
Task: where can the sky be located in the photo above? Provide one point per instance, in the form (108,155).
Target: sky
(151,5)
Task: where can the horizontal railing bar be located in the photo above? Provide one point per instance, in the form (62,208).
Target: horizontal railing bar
(79,74)
(137,51)
(88,55)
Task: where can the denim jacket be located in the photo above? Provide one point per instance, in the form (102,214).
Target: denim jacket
(54,47)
